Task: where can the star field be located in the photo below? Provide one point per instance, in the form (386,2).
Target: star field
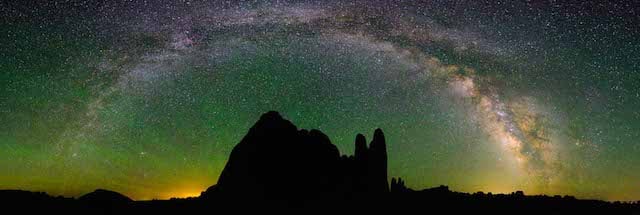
(148,98)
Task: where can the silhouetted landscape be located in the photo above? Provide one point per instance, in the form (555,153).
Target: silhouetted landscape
(277,166)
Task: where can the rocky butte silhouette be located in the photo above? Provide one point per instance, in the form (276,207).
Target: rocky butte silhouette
(277,161)
(277,166)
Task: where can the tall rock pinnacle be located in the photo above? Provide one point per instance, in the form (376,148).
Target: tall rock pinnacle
(361,146)
(378,163)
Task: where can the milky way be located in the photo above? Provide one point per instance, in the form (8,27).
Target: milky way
(148,99)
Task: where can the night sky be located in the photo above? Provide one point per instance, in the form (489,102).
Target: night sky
(148,98)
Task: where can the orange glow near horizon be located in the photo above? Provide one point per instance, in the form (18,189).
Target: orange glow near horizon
(182,190)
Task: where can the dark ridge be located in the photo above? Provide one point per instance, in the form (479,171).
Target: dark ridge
(21,196)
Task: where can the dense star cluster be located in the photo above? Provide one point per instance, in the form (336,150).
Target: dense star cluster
(147,98)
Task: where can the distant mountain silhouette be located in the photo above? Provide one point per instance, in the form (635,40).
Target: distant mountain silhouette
(105,196)
(276,166)
(275,160)
(104,201)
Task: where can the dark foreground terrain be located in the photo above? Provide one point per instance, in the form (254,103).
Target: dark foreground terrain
(277,167)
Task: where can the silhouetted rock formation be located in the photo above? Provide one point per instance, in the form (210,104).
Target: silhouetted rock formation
(275,160)
(365,173)
(397,186)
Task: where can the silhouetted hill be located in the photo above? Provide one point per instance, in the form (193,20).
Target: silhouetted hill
(105,196)
(105,201)
(277,166)
(277,161)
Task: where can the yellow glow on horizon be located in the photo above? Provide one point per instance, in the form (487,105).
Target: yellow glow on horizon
(181,190)
(186,194)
